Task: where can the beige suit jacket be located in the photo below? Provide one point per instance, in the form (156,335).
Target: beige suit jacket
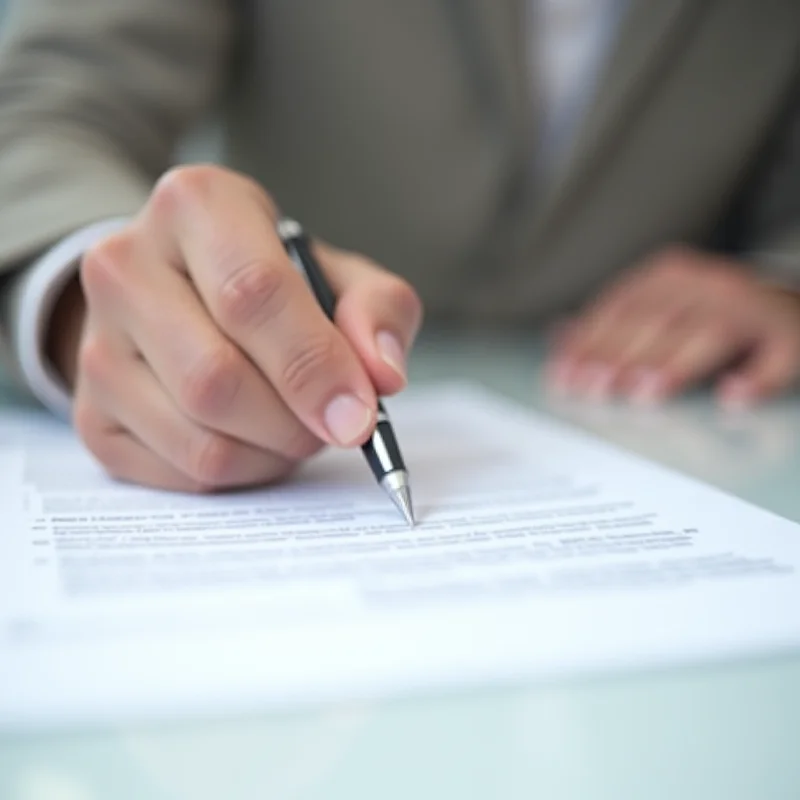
(404,130)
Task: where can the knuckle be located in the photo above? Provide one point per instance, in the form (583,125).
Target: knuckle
(104,266)
(405,298)
(725,278)
(95,360)
(210,460)
(307,362)
(251,294)
(209,388)
(189,185)
(185,186)
(96,439)
(672,263)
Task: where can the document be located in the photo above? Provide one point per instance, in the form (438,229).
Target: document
(540,552)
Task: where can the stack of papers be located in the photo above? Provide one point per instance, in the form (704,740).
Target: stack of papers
(539,552)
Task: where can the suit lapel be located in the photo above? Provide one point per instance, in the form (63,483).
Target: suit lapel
(649,33)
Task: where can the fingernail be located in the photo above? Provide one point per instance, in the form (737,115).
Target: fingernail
(648,387)
(347,419)
(392,352)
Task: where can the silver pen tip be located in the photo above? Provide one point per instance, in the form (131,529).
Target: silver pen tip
(401,497)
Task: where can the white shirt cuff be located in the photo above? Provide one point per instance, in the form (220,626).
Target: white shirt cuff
(40,287)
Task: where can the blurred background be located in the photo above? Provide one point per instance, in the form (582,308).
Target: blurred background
(202,145)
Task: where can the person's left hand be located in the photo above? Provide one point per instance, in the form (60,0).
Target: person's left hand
(683,317)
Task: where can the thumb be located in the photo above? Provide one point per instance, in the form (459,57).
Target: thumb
(378,312)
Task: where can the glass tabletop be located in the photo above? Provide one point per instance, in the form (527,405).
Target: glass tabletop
(726,730)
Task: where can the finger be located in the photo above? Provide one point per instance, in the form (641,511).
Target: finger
(123,457)
(126,391)
(598,369)
(697,352)
(227,240)
(637,293)
(378,312)
(772,366)
(593,354)
(657,284)
(650,344)
(208,378)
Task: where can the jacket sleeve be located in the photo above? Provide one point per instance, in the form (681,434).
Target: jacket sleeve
(94,97)
(770,213)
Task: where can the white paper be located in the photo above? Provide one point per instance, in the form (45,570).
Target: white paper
(539,551)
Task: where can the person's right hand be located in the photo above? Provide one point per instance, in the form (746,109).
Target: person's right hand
(205,362)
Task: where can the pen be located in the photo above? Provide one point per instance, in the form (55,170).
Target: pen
(381,450)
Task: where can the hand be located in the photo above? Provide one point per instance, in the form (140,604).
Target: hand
(678,320)
(204,360)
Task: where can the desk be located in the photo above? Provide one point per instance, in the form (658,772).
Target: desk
(724,731)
